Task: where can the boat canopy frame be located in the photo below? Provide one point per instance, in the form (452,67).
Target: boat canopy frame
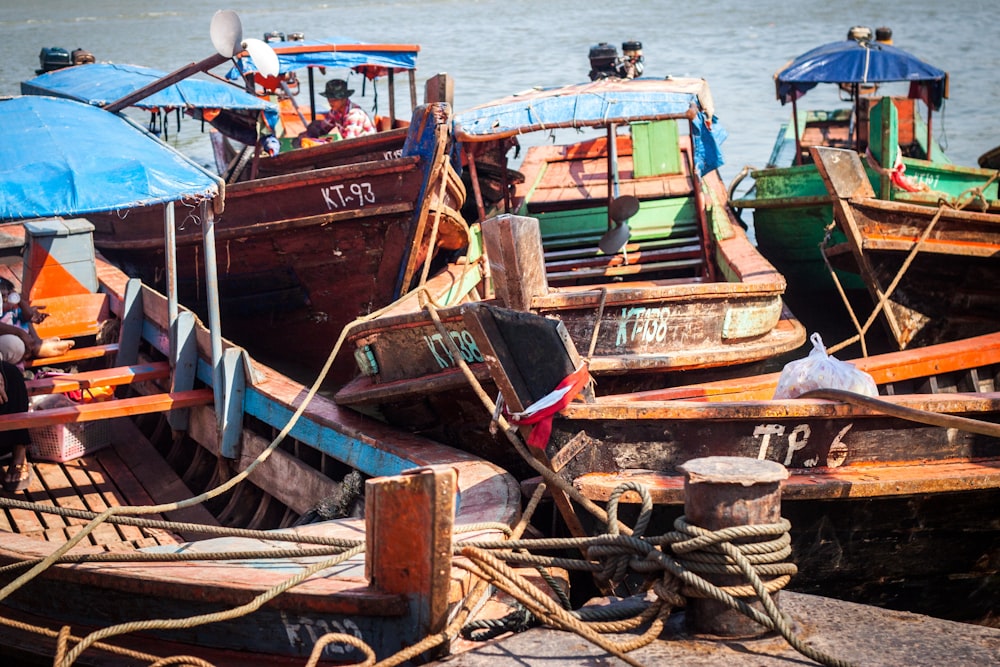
(857,63)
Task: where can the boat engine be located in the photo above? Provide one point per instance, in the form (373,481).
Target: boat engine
(632,59)
(55,57)
(605,63)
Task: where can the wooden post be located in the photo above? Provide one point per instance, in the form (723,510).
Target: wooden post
(440,88)
(408,528)
(517,259)
(722,492)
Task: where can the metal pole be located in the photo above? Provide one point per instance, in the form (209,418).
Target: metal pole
(170,252)
(795,128)
(212,294)
(392,97)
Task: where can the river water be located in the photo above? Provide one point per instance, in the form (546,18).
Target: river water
(496,47)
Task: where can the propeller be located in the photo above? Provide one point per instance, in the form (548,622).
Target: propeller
(619,210)
(226,31)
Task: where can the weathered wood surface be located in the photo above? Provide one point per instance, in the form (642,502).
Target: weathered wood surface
(943,259)
(884,509)
(304,252)
(379,146)
(324,444)
(657,430)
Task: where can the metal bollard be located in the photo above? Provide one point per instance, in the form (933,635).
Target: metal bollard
(722,492)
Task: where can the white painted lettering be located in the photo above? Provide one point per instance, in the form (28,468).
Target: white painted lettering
(765,431)
(797,439)
(838,450)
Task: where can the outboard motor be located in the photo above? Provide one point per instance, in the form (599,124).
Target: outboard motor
(860,33)
(82,57)
(53,58)
(603,61)
(632,60)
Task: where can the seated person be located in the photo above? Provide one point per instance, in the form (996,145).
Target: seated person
(14,399)
(18,342)
(344,118)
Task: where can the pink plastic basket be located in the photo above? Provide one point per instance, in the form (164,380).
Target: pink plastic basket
(65,442)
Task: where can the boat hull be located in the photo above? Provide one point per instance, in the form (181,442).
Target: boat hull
(934,267)
(153,457)
(302,255)
(886,506)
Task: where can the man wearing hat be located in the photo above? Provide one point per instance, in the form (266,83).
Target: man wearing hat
(345,117)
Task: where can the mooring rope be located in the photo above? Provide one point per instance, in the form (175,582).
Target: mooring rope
(117,514)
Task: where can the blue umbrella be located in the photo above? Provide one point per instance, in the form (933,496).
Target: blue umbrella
(64,158)
(861,62)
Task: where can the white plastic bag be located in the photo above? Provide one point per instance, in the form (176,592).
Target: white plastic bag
(821,371)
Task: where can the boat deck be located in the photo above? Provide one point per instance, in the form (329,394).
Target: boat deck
(115,475)
(128,471)
(570,179)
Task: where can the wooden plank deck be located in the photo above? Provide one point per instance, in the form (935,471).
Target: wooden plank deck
(129,472)
(568,181)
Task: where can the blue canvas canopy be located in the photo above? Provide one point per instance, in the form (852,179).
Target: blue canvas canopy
(103,83)
(861,62)
(62,158)
(370,59)
(598,104)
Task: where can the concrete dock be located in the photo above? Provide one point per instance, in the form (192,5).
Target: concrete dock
(858,634)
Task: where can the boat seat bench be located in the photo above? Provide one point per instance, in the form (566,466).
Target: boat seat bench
(664,239)
(105,377)
(72,315)
(121,407)
(73,355)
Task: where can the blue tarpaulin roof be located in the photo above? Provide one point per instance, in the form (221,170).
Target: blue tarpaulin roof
(337,52)
(597,104)
(851,61)
(102,83)
(61,158)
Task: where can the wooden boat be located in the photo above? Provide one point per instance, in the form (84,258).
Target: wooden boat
(303,254)
(933,267)
(792,209)
(309,219)
(300,58)
(891,500)
(686,292)
(188,413)
(234,115)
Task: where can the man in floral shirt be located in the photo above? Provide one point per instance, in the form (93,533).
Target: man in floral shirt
(344,118)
